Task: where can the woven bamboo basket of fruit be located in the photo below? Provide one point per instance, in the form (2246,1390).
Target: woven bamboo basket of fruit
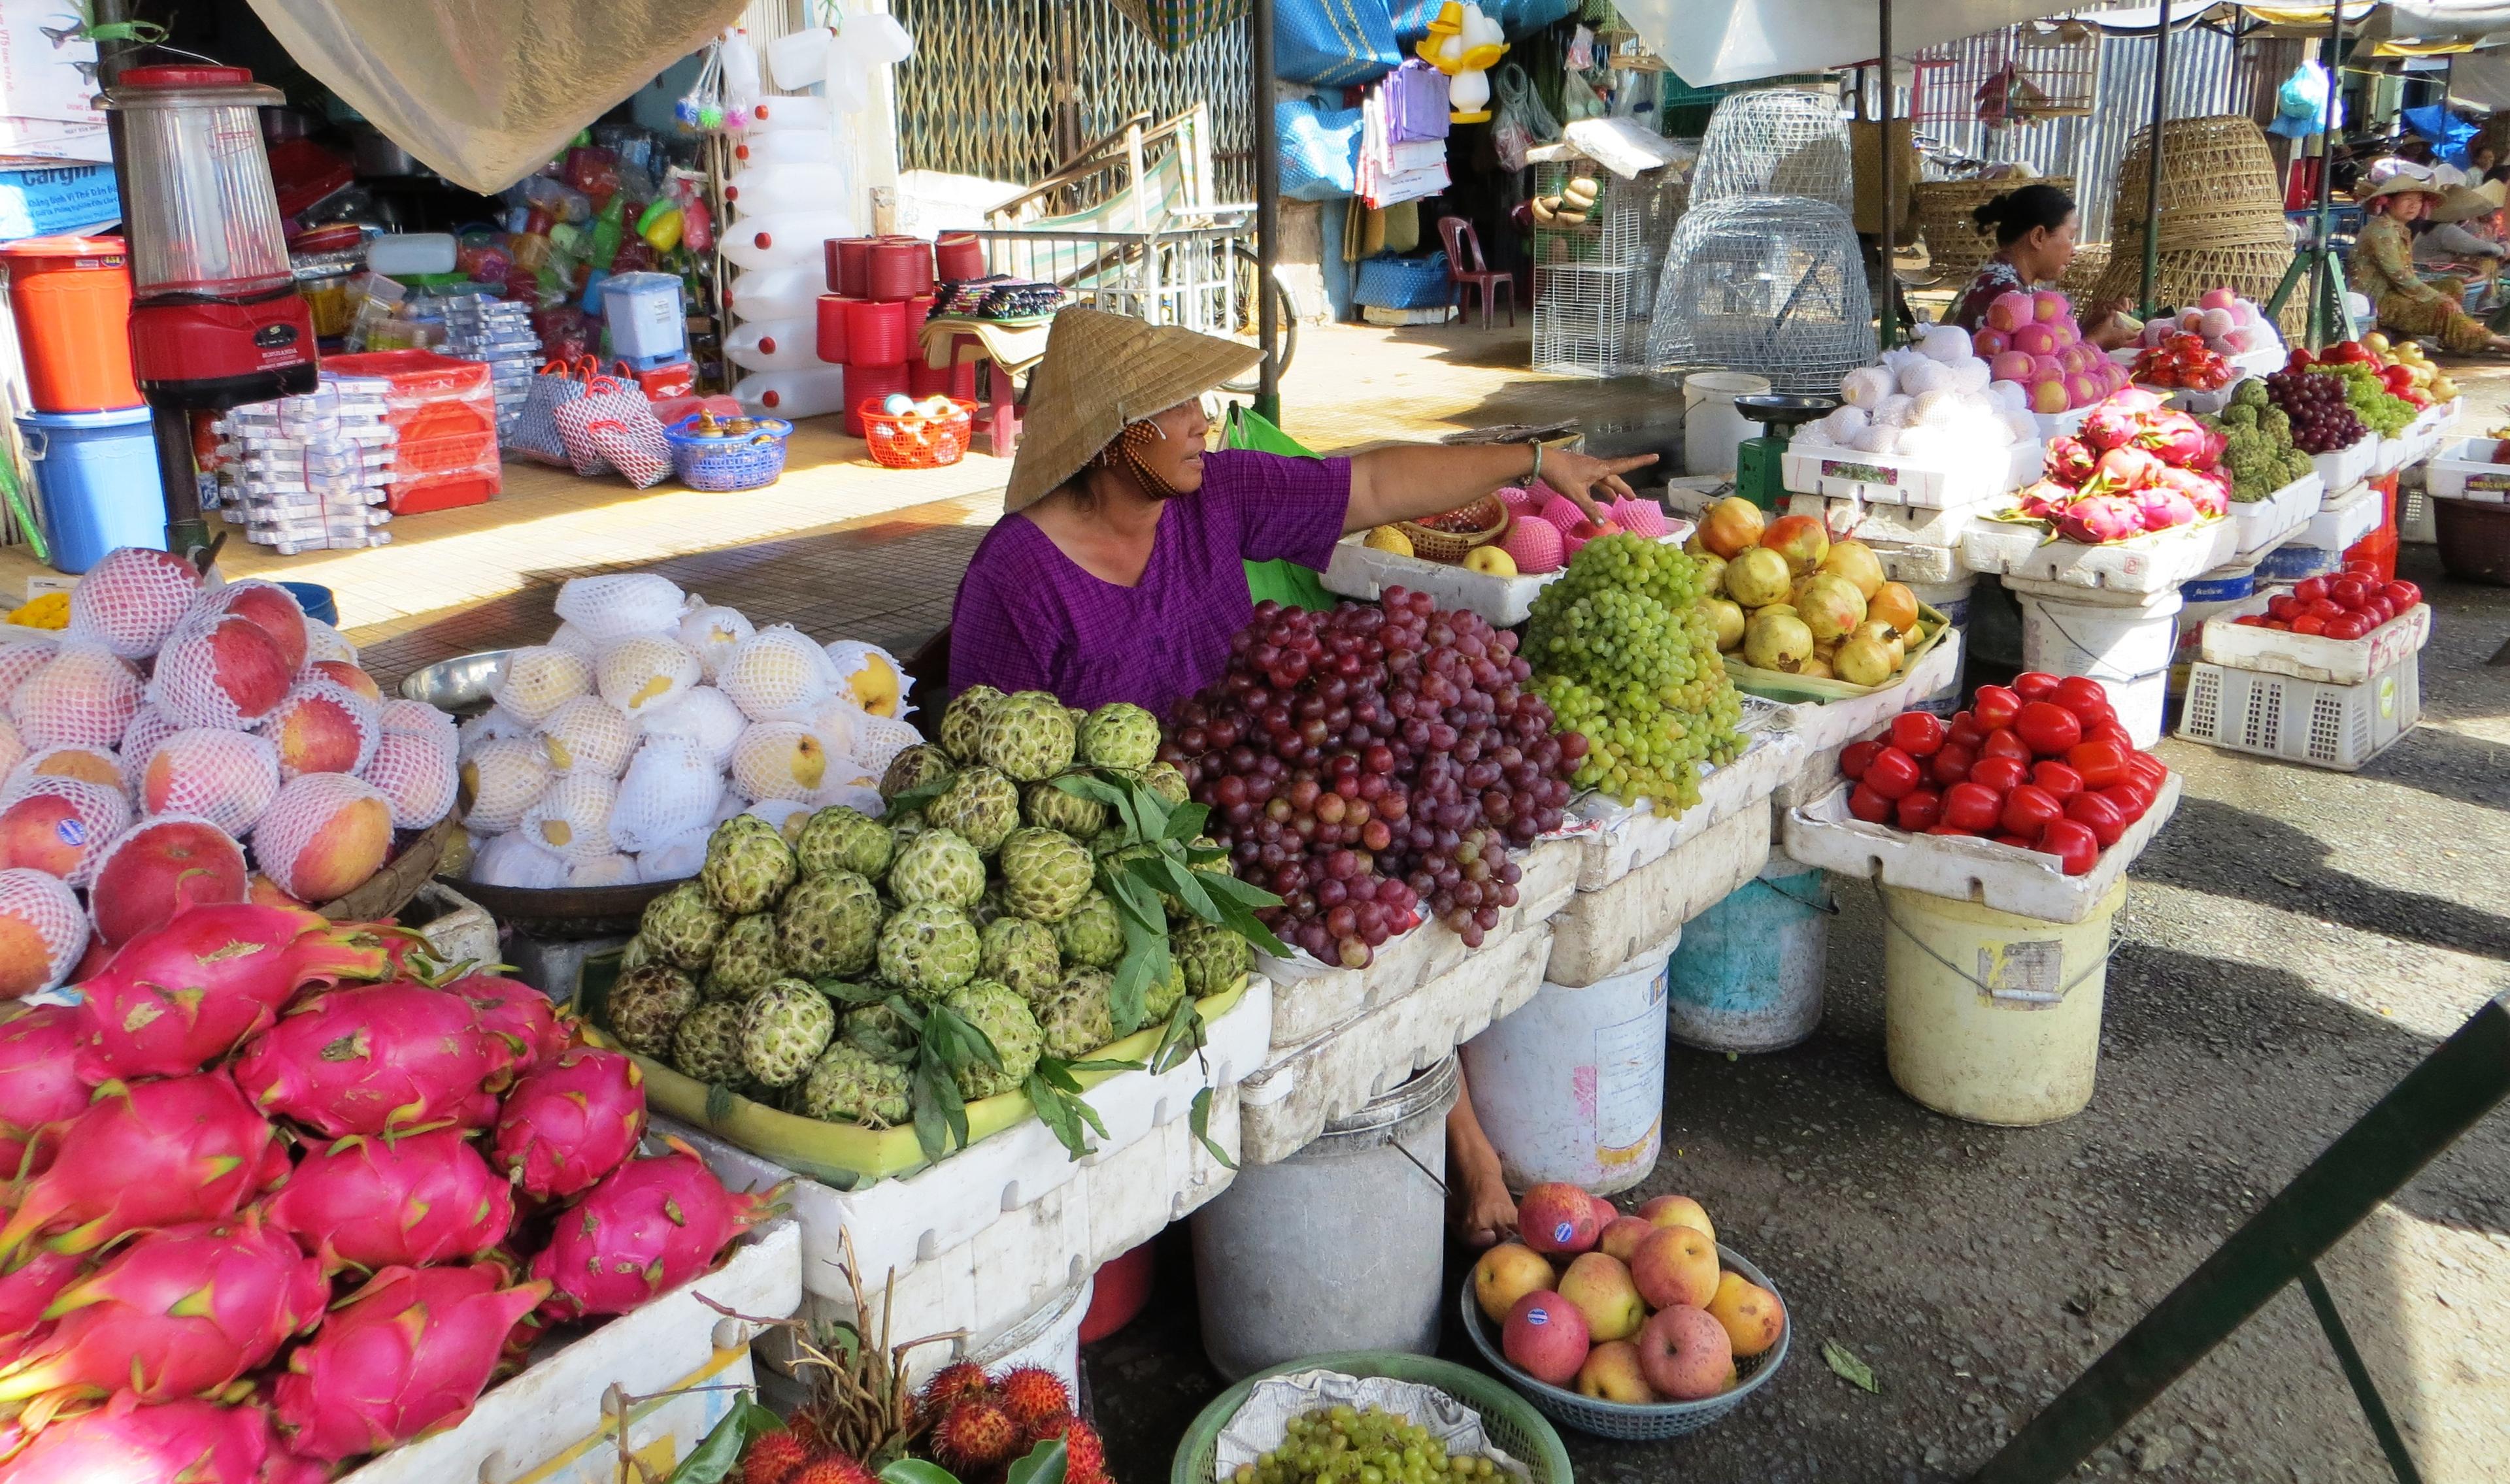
(1448,537)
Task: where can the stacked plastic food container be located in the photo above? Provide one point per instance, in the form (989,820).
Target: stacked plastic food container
(310,473)
(498,333)
(880,292)
(444,416)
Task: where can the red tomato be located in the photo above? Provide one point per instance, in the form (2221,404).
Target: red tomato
(2004,741)
(2347,591)
(1950,764)
(2073,844)
(2098,761)
(2131,799)
(2001,772)
(1966,731)
(2081,693)
(2352,625)
(2049,728)
(2251,621)
(2404,594)
(1995,706)
(2284,606)
(2018,842)
(1920,809)
(2311,590)
(1856,757)
(2033,684)
(1893,773)
(2280,627)
(1952,829)
(2057,778)
(2110,730)
(2098,815)
(2309,623)
(2377,609)
(1867,805)
(2328,608)
(2360,566)
(2096,716)
(2029,809)
(1972,807)
(1918,734)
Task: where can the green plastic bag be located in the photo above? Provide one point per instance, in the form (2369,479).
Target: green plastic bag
(1285,583)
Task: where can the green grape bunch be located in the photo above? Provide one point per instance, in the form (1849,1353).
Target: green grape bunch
(1343,1445)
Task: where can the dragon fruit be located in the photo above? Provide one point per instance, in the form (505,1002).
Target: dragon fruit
(2162,507)
(648,1227)
(26,1293)
(2174,439)
(377,1060)
(149,1154)
(2044,499)
(2204,493)
(424,1198)
(2122,471)
(182,1311)
(179,997)
(127,1441)
(2109,425)
(37,1086)
(407,1355)
(2096,518)
(2069,463)
(571,1122)
(513,1008)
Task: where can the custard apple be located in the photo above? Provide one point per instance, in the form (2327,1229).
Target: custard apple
(842,839)
(745,960)
(1092,936)
(783,1029)
(1160,996)
(883,1033)
(708,1044)
(637,954)
(979,805)
(995,1008)
(937,865)
(1028,736)
(1022,955)
(1165,780)
(917,767)
(748,865)
(846,1086)
(681,926)
(1213,958)
(960,719)
(647,1005)
(1119,734)
(989,908)
(1050,807)
(928,949)
(1076,1018)
(829,925)
(1045,874)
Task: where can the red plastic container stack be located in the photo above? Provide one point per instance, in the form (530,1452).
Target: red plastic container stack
(443,417)
(958,256)
(2381,546)
(871,321)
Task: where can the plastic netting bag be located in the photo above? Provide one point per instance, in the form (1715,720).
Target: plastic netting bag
(607,401)
(572,817)
(417,774)
(219,669)
(48,910)
(416,719)
(84,694)
(620,604)
(11,747)
(713,630)
(501,780)
(779,760)
(878,741)
(637,674)
(307,809)
(227,778)
(588,735)
(538,679)
(149,726)
(635,448)
(132,599)
(669,789)
(76,760)
(872,675)
(569,637)
(272,609)
(704,715)
(325,642)
(488,726)
(323,728)
(20,657)
(674,859)
(71,817)
(511,861)
(778,674)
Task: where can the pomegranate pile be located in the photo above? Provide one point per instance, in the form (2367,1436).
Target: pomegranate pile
(1374,763)
(2043,764)
(2345,606)
(2135,467)
(279,1179)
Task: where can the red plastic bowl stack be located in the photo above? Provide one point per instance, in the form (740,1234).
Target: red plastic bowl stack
(871,320)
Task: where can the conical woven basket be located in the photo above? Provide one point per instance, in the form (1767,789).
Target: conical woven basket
(2222,221)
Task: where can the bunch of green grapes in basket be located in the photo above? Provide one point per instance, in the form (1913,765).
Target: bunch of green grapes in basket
(1341,1445)
(2380,410)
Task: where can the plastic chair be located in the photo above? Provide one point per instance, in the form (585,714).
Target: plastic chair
(1458,233)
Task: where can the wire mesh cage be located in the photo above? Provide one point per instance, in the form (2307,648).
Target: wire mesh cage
(1611,234)
(1582,317)
(1770,284)
(1198,277)
(1776,141)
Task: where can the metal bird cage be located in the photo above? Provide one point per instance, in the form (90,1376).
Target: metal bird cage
(1770,284)
(1777,142)
(2022,74)
(1594,282)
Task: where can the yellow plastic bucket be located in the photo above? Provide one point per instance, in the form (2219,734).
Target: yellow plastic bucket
(1990,1016)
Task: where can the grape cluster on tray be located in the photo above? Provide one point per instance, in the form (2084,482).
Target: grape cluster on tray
(1341,1445)
(1374,763)
(2322,420)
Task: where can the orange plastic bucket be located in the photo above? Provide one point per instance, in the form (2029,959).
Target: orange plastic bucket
(72,300)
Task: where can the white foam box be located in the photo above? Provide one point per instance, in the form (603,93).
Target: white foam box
(1894,526)
(1285,1107)
(2308,656)
(1920,564)
(1967,867)
(2392,454)
(559,1422)
(2135,569)
(2343,468)
(2268,522)
(1891,478)
(2469,469)
(2066,424)
(2340,523)
(1631,837)
(1362,571)
(1599,931)
(1822,730)
(1310,998)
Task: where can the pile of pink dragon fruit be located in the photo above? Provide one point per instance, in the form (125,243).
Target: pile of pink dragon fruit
(281,1202)
(168,725)
(2135,467)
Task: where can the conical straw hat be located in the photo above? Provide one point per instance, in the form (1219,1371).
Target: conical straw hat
(1100,372)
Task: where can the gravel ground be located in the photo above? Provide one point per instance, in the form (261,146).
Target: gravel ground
(2291,945)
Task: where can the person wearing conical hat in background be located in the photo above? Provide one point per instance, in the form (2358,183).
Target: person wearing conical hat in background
(1118,570)
(2461,231)
(2382,271)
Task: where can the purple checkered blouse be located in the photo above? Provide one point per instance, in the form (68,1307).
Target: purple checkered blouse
(1029,618)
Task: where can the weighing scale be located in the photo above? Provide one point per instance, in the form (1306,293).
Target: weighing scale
(1756,468)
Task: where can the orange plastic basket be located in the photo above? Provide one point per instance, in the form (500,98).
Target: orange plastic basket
(912,440)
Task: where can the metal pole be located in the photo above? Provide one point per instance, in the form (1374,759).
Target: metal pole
(2322,258)
(1268,211)
(2152,153)
(1890,305)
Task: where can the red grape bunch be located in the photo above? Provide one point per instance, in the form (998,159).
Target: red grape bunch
(2322,420)
(1374,763)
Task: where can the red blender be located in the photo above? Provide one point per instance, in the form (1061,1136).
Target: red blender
(216,319)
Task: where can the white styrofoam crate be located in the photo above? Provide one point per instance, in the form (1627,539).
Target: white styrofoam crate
(2342,469)
(1897,525)
(1826,729)
(2302,721)
(2270,521)
(1891,478)
(2066,424)
(2342,523)
(548,1425)
(2468,469)
(2156,561)
(1964,868)
(1285,1107)
(1920,564)
(1600,931)
(2390,455)
(1631,836)
(1362,571)
(2312,657)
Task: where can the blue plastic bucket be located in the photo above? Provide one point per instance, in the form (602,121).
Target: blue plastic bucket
(1748,973)
(317,601)
(644,316)
(95,478)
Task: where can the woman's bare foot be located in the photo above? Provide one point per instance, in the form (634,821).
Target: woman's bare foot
(1478,1205)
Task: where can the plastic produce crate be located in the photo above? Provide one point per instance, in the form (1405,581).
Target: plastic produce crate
(2303,721)
(2467,469)
(2311,657)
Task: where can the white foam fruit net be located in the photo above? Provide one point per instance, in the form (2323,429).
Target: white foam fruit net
(325,642)
(86,694)
(20,657)
(778,674)
(639,673)
(140,833)
(490,725)
(226,777)
(275,610)
(705,716)
(323,728)
(611,870)
(538,679)
(712,632)
(149,726)
(873,677)
(12,747)
(674,859)
(574,642)
(789,816)
(500,780)
(588,735)
(572,817)
(417,774)
(46,912)
(669,789)
(130,601)
(305,808)
(511,861)
(1774,142)
(95,765)
(878,741)
(618,605)
(860,794)
(214,673)
(76,833)
(727,804)
(416,719)
(779,760)
(1774,285)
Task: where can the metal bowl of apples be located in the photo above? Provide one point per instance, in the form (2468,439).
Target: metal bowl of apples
(1659,1372)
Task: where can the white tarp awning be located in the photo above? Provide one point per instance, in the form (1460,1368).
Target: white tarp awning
(1732,41)
(2481,79)
(484,91)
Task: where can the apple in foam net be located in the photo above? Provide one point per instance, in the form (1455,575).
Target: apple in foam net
(2010,365)
(1684,1354)
(2010,311)
(1505,1273)
(1545,1337)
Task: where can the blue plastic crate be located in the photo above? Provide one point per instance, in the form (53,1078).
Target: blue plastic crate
(1403,283)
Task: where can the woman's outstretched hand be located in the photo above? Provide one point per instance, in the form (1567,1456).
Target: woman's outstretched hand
(1591,482)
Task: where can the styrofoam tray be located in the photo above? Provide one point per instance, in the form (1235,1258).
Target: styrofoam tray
(2309,656)
(1600,931)
(2156,561)
(1964,868)
(1920,564)
(2268,523)
(1362,571)
(2066,424)
(1894,525)
(2340,523)
(1632,836)
(2464,469)
(1891,478)
(2392,454)
(2343,468)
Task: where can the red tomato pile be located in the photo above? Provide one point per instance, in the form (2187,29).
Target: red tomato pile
(2345,606)
(2042,766)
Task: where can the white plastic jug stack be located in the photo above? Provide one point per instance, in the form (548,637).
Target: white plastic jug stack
(764,190)
(782,239)
(793,393)
(785,146)
(799,58)
(774,345)
(790,293)
(799,114)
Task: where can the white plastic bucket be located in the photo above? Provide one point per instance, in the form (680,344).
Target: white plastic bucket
(793,393)
(1571,1087)
(1711,428)
(2199,599)
(644,316)
(2127,647)
(1748,973)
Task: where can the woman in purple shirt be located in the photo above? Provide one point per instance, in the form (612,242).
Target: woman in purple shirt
(1117,571)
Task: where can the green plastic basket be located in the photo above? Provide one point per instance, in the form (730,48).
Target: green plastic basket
(1514,1426)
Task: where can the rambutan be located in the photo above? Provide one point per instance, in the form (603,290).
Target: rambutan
(1084,1453)
(1033,1397)
(833,1469)
(953,1383)
(772,1457)
(974,1436)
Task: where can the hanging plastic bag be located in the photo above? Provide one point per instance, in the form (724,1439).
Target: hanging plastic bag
(1577,100)
(2300,102)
